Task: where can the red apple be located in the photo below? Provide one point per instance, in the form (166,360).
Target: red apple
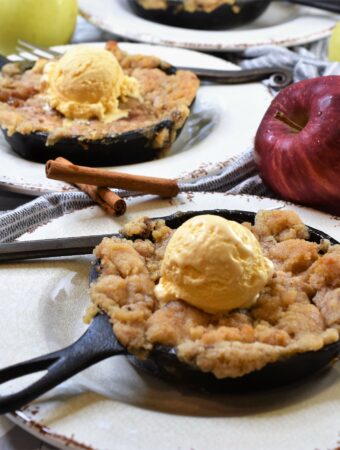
(297,145)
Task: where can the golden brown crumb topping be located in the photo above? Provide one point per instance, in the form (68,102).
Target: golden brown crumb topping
(297,311)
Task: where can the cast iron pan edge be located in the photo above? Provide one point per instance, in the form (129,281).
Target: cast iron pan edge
(127,148)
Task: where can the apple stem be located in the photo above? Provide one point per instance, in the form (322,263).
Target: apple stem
(283,118)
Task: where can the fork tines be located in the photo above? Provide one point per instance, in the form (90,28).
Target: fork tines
(32,51)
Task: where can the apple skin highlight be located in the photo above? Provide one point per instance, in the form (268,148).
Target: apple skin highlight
(303,166)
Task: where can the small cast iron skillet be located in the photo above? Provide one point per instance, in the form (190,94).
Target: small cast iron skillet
(126,148)
(99,343)
(222,17)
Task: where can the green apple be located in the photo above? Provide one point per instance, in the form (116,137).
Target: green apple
(42,22)
(334,44)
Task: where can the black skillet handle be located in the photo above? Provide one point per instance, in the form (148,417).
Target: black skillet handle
(279,77)
(327,5)
(96,344)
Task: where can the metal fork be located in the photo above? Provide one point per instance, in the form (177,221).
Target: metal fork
(278,77)
(27,54)
(35,51)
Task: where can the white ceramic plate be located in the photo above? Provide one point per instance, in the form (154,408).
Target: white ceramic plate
(221,126)
(281,24)
(41,311)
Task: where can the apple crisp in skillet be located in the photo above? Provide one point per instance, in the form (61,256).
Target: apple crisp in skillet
(24,106)
(297,311)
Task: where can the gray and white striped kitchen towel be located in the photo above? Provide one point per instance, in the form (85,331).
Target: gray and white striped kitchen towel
(240,177)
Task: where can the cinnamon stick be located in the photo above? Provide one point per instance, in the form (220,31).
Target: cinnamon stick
(110,202)
(72,173)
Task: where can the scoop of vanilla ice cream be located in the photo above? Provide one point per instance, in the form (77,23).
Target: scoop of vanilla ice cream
(87,82)
(214,264)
